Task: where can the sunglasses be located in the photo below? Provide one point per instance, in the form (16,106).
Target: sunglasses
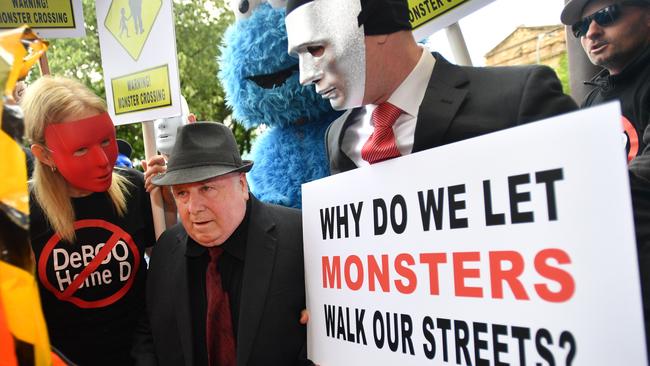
(603,17)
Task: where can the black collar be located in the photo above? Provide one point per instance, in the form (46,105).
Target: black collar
(604,80)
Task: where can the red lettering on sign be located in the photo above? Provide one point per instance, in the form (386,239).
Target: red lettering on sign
(461,273)
(500,269)
(406,272)
(355,261)
(332,272)
(380,275)
(433,260)
(567,285)
(499,275)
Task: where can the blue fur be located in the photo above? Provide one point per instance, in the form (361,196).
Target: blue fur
(287,154)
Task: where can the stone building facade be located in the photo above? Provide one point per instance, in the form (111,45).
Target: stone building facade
(530,45)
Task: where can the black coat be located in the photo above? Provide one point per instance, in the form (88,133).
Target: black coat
(272,295)
(463,102)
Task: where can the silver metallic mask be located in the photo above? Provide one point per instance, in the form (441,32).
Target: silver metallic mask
(165,129)
(329,44)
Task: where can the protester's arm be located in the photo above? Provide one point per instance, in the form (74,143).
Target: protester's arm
(153,167)
(302,357)
(542,96)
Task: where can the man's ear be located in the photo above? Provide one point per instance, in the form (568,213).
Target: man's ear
(43,155)
(244,184)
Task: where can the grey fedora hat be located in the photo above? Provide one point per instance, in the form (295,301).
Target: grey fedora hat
(203,150)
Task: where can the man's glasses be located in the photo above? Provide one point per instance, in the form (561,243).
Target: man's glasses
(602,17)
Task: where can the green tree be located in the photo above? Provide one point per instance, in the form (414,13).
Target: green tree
(563,73)
(199,26)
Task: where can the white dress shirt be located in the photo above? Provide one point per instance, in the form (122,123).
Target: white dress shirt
(407,97)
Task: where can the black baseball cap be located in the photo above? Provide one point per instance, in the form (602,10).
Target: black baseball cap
(376,16)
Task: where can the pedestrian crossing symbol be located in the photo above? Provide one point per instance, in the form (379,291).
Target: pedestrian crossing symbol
(130,22)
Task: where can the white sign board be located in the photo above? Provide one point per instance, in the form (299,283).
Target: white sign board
(138,46)
(429,16)
(515,247)
(48,18)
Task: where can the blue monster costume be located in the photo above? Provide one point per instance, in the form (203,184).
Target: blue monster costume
(262,88)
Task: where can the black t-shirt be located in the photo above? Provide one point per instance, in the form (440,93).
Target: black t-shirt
(632,88)
(92,322)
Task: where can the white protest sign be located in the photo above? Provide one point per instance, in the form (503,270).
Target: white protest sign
(513,248)
(138,46)
(48,18)
(429,16)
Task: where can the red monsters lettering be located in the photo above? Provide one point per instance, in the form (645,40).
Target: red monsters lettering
(379,273)
(498,275)
(461,273)
(567,285)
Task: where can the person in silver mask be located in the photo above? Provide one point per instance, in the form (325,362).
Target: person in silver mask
(165,128)
(361,55)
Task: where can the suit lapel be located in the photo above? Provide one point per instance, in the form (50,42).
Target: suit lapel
(182,300)
(445,94)
(337,131)
(258,268)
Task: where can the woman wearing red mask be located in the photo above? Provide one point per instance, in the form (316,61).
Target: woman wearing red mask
(89,224)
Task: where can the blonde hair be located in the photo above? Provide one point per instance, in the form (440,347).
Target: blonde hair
(50,100)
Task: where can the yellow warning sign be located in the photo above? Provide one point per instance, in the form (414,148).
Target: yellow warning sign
(422,11)
(142,90)
(36,13)
(130,22)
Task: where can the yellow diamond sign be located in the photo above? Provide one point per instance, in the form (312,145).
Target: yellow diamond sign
(130,22)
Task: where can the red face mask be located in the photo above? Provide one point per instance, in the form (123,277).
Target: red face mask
(84,151)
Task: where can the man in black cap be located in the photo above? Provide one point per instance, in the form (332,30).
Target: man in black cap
(362,55)
(616,36)
(226,286)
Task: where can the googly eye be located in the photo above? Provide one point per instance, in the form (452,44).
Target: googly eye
(244,8)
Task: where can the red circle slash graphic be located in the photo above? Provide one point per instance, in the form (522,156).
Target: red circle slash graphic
(633,138)
(69,292)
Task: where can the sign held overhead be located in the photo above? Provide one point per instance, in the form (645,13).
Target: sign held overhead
(138,45)
(49,18)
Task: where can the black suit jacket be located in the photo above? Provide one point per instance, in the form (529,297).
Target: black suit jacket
(272,295)
(463,102)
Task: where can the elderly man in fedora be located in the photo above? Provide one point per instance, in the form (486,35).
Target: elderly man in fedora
(226,285)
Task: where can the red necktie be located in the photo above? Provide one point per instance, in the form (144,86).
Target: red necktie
(381,144)
(219,334)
